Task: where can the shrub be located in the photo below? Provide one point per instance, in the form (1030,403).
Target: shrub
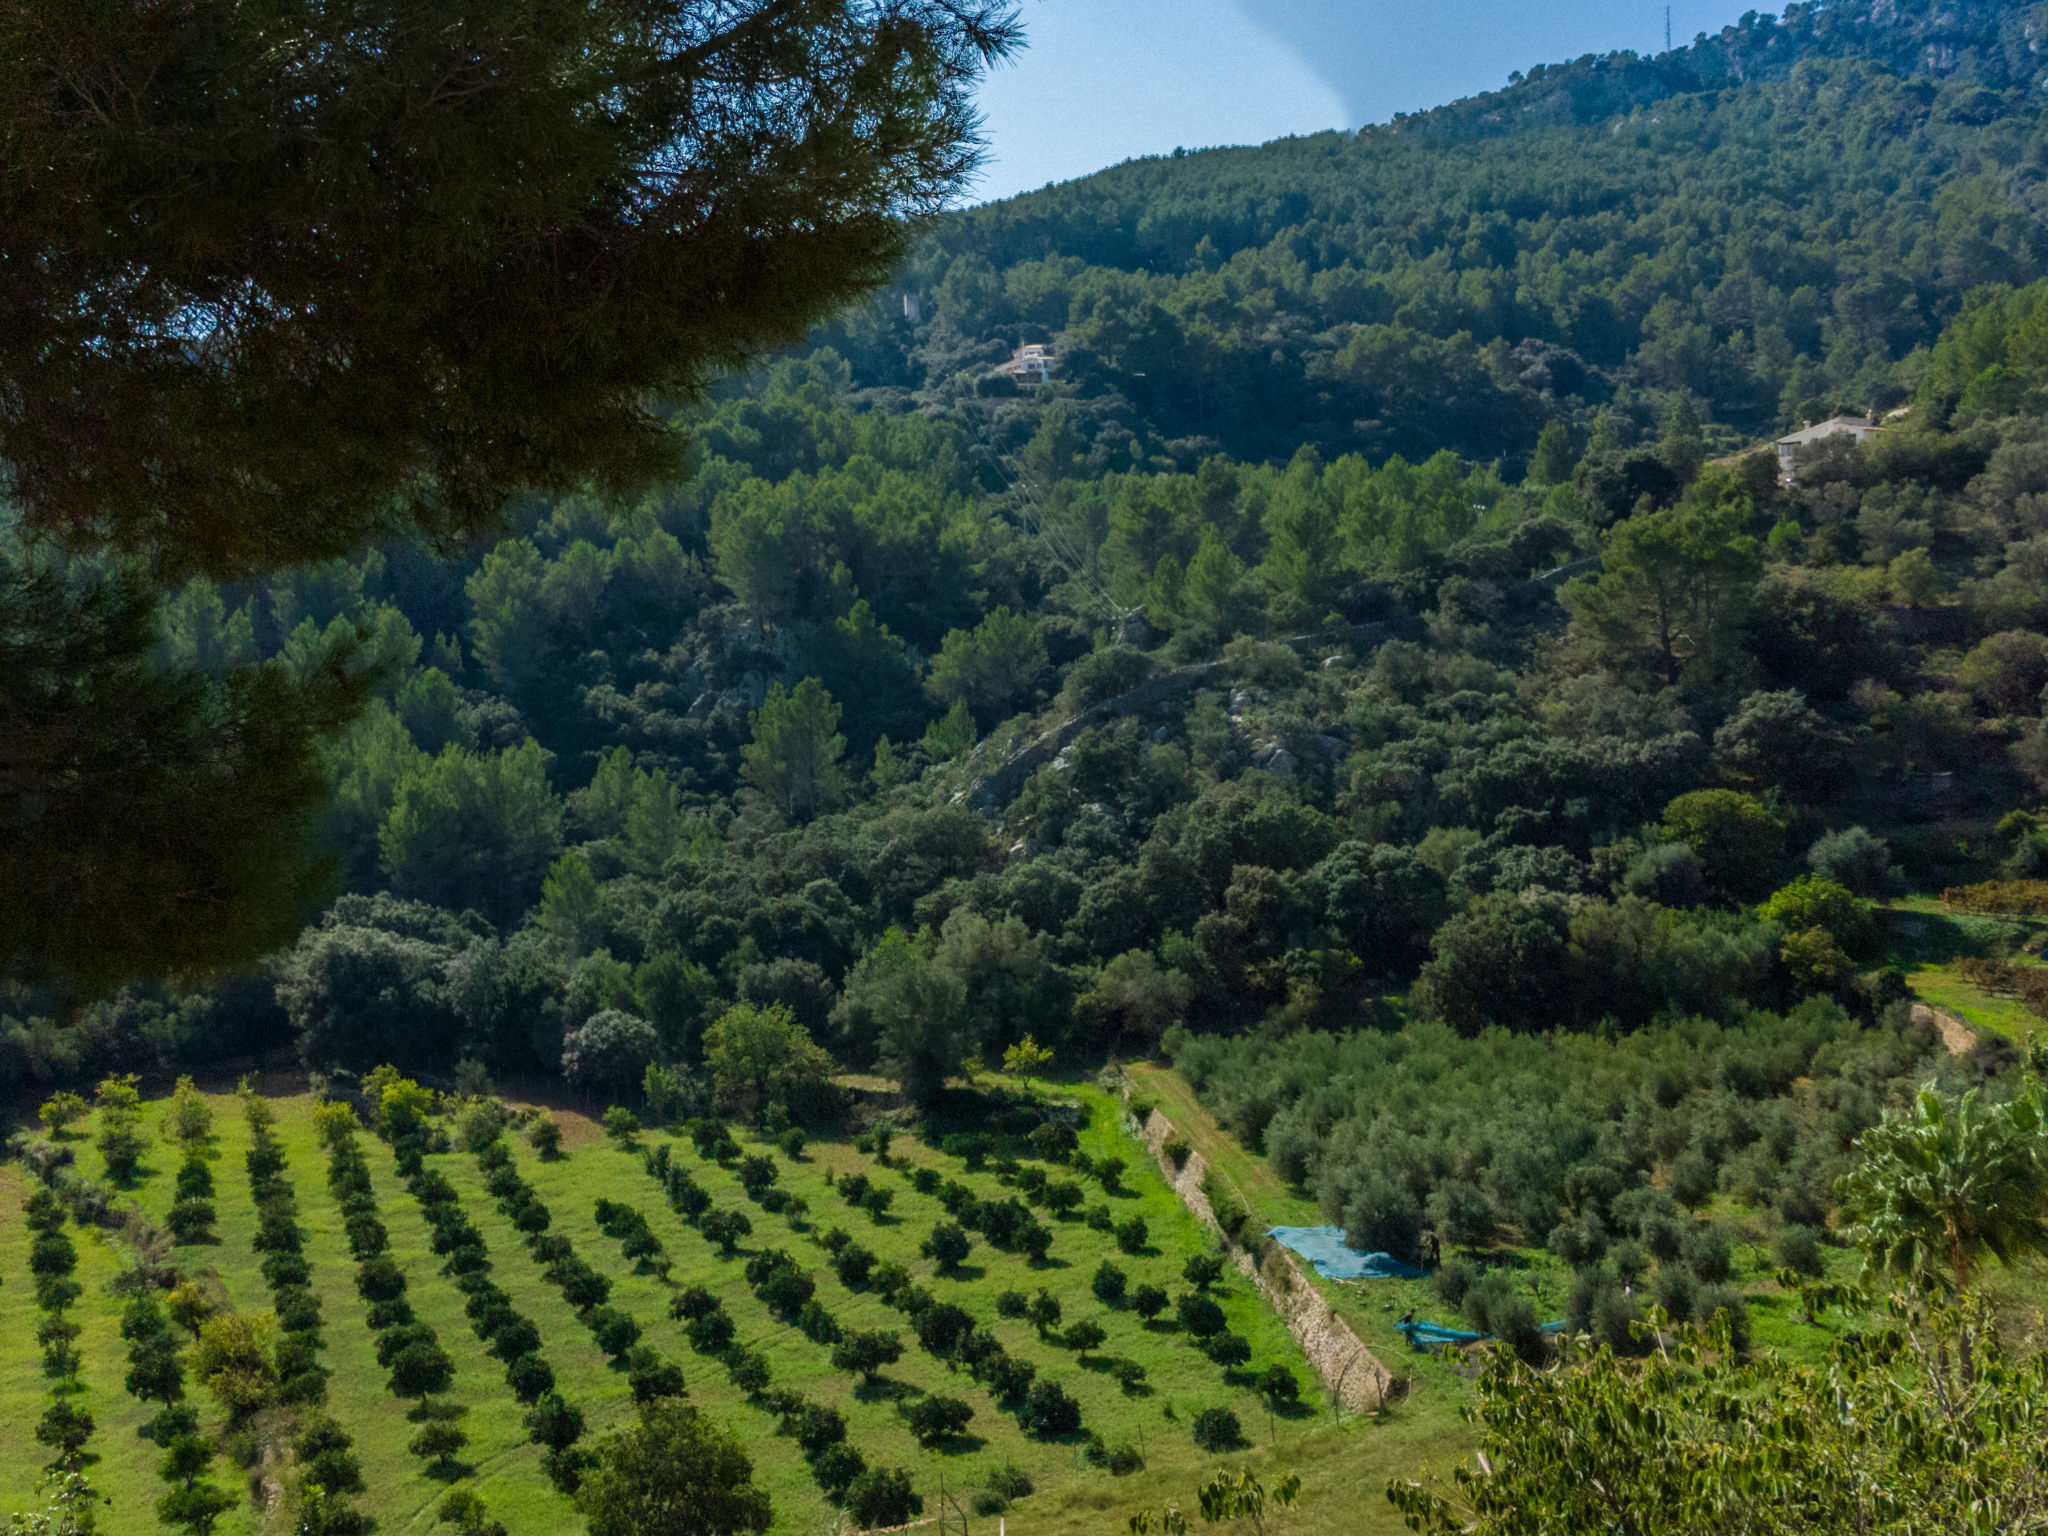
(1799,1250)
(327,1453)
(480,1123)
(1109,1284)
(1279,1387)
(882,1496)
(1049,1412)
(1216,1430)
(614,1331)
(935,1420)
(1720,1303)
(1012,1304)
(380,1279)
(1598,1307)
(1707,1251)
(1199,1315)
(421,1370)
(554,1422)
(1203,1270)
(60,1110)
(621,1125)
(545,1137)
(437,1442)
(710,1334)
(1455,1279)
(1692,1180)
(1494,1306)
(191,1220)
(195,1179)
(948,1246)
(725,1228)
(1005,1485)
(1856,859)
(650,1378)
(1228,1350)
(1061,1196)
(1130,1376)
(1176,1151)
(513,1337)
(1044,1311)
(853,1264)
(1131,1234)
(530,1377)
(1085,1336)
(52,1254)
(942,1329)
(1010,1379)
(836,1467)
(747,1370)
(1000,1221)
(1677,1292)
(1148,1301)
(867,1354)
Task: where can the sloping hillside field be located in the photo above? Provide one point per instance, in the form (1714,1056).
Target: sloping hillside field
(1022,1321)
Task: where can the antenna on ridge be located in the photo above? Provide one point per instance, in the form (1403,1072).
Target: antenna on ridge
(1667,29)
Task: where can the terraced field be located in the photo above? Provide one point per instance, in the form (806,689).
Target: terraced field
(503,1280)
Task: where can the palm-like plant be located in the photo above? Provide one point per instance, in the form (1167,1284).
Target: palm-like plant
(1935,1190)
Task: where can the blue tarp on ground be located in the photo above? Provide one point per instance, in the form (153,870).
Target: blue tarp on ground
(1324,1248)
(1434,1336)
(1427,1336)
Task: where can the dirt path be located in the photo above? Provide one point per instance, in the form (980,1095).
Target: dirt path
(1955,1034)
(1353,1373)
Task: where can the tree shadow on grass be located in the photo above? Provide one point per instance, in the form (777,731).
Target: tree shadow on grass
(966,1274)
(885,1389)
(449,1471)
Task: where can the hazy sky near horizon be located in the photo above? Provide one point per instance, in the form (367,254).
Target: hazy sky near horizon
(1105,80)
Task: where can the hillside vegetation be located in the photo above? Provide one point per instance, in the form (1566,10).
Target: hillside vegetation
(1375,678)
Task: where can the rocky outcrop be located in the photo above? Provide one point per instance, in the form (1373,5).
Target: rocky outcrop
(1956,1036)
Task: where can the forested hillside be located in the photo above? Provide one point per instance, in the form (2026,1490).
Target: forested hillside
(1434,667)
(1772,221)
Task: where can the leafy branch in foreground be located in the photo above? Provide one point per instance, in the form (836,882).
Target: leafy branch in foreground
(1227,1496)
(1937,1189)
(1881,1436)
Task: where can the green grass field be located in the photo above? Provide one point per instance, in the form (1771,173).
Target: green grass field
(1343,1464)
(1926,941)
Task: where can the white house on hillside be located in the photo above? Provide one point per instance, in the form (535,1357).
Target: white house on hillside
(1030,364)
(1834,426)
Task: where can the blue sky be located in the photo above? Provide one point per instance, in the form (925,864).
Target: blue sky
(1104,80)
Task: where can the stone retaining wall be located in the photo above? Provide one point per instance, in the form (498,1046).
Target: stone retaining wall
(1352,1372)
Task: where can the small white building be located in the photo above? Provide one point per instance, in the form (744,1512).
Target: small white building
(1030,364)
(1835,426)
